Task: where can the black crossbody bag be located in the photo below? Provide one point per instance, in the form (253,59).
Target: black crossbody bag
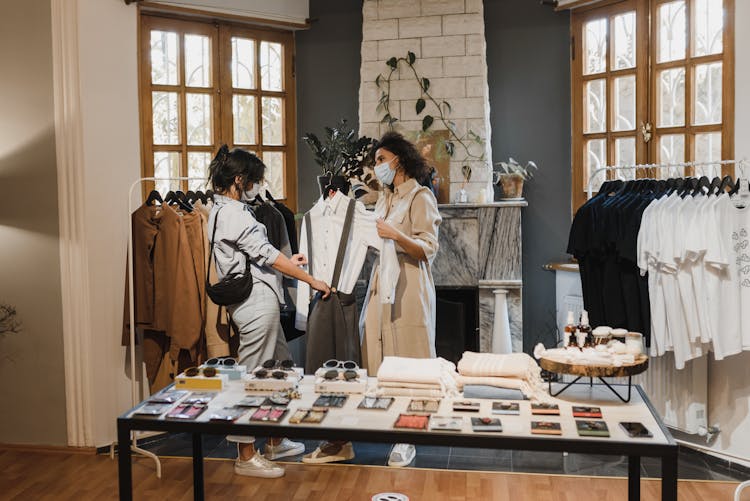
(229,290)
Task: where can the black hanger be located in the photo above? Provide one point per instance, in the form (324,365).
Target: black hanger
(259,199)
(191,197)
(210,195)
(154,196)
(269,197)
(715,183)
(202,197)
(726,182)
(171,198)
(703,182)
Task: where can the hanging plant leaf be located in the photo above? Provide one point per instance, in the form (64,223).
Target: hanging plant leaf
(377,80)
(392,62)
(427,121)
(386,118)
(449,147)
(410,57)
(425,84)
(466,171)
(447,106)
(420,105)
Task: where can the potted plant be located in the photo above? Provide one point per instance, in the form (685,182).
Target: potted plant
(340,154)
(511,176)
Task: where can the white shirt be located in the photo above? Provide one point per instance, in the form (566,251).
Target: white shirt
(327,221)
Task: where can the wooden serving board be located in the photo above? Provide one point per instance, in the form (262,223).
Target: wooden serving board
(625,370)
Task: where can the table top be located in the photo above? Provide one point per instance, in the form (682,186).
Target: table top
(625,370)
(351,423)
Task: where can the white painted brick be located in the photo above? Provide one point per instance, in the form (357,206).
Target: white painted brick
(370,50)
(369,92)
(438,7)
(447,87)
(428,26)
(476,87)
(371,69)
(474,6)
(399,48)
(430,67)
(478,127)
(391,9)
(370,10)
(370,129)
(405,89)
(467,66)
(369,112)
(444,46)
(467,107)
(475,45)
(408,126)
(463,24)
(380,30)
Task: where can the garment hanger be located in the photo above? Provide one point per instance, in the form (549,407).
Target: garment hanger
(269,197)
(703,186)
(715,183)
(171,198)
(191,197)
(210,195)
(154,196)
(726,182)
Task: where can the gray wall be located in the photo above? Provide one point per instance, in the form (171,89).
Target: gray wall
(529,82)
(29,239)
(327,70)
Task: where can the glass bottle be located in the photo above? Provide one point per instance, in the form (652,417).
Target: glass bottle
(570,331)
(586,328)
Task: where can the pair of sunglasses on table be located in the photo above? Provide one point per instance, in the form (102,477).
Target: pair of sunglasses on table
(338,369)
(277,369)
(209,368)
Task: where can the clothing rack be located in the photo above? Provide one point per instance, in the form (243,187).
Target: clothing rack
(636,167)
(131,298)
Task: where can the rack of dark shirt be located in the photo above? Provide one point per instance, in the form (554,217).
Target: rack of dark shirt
(604,235)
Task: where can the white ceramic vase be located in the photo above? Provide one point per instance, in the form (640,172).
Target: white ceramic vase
(501,341)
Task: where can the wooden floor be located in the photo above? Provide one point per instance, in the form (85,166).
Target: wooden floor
(34,475)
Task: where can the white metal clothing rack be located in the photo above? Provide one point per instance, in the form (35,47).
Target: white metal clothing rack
(131,306)
(636,167)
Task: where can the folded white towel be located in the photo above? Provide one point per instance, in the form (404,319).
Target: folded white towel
(414,370)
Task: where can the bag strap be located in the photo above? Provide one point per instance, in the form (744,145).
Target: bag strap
(211,249)
(308,231)
(343,244)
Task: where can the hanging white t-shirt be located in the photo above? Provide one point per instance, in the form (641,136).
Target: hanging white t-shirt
(647,250)
(698,223)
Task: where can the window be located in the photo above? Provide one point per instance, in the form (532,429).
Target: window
(205,84)
(659,96)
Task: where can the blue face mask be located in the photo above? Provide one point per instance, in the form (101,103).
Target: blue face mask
(384,173)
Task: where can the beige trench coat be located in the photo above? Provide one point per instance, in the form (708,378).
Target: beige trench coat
(406,328)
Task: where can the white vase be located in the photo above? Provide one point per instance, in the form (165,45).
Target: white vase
(501,342)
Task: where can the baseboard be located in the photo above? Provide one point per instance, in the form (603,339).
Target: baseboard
(59,449)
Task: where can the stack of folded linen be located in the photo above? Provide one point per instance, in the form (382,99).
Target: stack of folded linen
(516,371)
(416,377)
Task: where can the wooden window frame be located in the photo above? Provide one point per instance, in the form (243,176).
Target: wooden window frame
(646,88)
(222,92)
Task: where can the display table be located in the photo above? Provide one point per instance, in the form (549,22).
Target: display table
(350,423)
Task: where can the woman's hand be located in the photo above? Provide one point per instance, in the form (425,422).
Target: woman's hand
(387,230)
(298,259)
(321,286)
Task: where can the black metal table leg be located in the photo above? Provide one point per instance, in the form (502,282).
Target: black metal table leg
(549,383)
(634,478)
(124,470)
(669,478)
(630,386)
(198,493)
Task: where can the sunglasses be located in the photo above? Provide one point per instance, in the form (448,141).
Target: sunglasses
(264,374)
(224,361)
(278,364)
(338,364)
(347,375)
(194,371)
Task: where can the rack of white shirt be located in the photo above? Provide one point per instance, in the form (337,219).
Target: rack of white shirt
(327,220)
(696,252)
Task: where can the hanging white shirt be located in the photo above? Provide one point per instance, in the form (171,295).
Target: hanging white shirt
(327,220)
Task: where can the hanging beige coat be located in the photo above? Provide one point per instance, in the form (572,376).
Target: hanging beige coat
(406,328)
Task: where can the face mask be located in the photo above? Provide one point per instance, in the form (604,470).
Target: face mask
(384,173)
(251,193)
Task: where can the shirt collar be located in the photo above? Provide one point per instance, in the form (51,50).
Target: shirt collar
(224,200)
(405,187)
(332,204)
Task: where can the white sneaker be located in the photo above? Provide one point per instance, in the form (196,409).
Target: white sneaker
(283,449)
(402,455)
(258,466)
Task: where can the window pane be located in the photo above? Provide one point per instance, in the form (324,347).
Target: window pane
(270,66)
(244,119)
(624,102)
(625,155)
(197,61)
(274,161)
(243,63)
(596,106)
(671,31)
(596,157)
(623,53)
(671,97)
(708,149)
(671,151)
(595,46)
(707,101)
(198,108)
(273,123)
(166,164)
(198,162)
(165,117)
(164,58)
(709,27)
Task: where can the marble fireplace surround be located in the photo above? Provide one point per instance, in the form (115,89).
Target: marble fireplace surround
(480,247)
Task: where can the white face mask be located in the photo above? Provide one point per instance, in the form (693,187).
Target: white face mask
(384,173)
(250,194)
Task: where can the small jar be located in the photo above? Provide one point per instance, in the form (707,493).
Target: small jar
(602,335)
(634,343)
(581,339)
(619,334)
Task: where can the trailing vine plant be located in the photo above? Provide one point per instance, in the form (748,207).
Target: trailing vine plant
(443,109)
